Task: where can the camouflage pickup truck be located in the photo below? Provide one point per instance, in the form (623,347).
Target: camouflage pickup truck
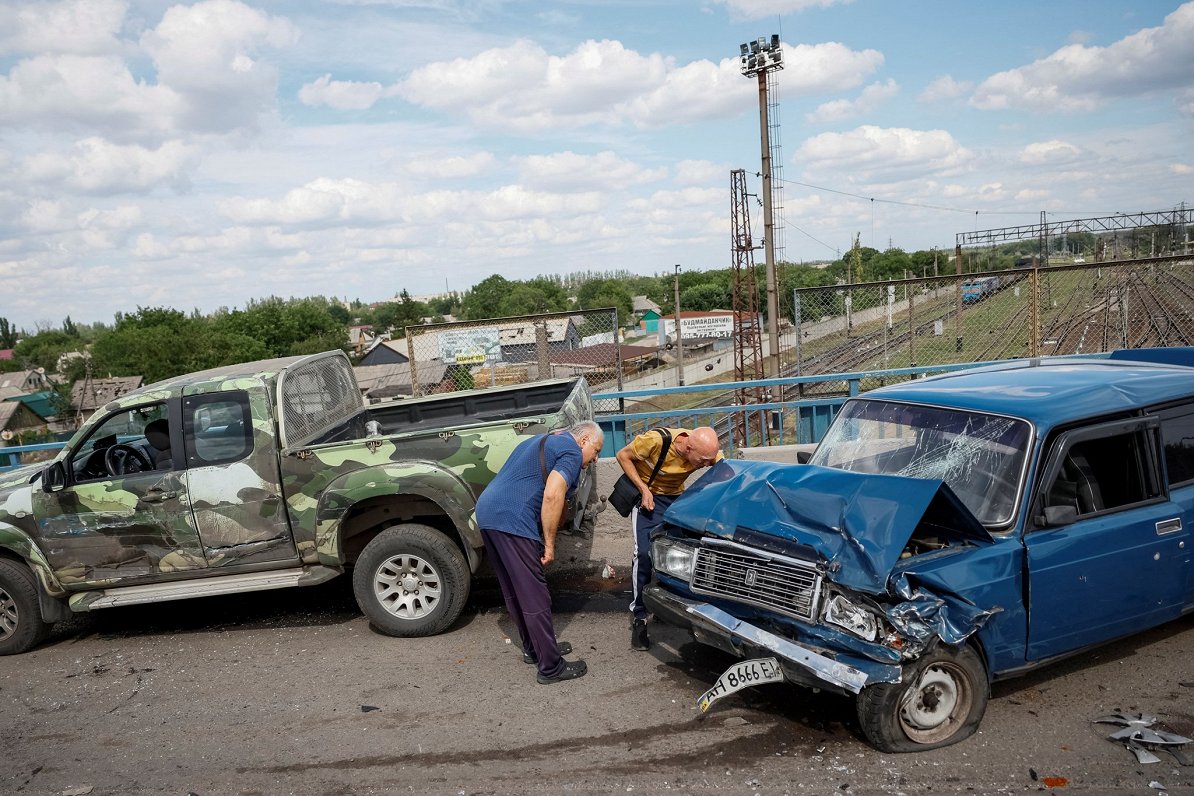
(261,476)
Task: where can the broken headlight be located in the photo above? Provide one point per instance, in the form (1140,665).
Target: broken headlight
(673,558)
(848,616)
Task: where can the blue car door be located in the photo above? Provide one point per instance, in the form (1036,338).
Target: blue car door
(1109,551)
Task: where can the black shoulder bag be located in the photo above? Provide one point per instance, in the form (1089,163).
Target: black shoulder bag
(626,495)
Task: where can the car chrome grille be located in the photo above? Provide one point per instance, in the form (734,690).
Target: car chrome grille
(786,586)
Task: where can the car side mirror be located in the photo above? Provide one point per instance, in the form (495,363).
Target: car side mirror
(1060,515)
(802,457)
(53,478)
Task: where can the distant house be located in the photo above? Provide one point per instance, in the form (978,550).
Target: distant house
(647,313)
(385,352)
(599,363)
(16,419)
(519,341)
(383,382)
(359,338)
(87,395)
(23,381)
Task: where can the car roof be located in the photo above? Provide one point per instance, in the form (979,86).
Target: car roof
(1049,392)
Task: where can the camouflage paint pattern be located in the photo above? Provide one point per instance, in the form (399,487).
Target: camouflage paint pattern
(268,506)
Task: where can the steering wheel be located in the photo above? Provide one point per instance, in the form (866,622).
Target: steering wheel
(121,459)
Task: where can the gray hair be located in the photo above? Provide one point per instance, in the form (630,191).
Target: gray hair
(578,430)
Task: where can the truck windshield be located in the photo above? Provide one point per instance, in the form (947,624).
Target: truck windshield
(980,456)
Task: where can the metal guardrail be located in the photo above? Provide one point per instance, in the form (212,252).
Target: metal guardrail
(10,457)
(801,420)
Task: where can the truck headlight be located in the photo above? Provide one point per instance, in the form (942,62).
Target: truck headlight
(673,558)
(845,614)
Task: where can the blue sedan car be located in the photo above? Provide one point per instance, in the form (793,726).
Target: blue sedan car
(947,532)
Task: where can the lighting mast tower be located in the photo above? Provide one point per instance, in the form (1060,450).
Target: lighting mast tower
(748,342)
(760,59)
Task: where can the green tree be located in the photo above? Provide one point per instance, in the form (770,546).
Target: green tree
(485,298)
(704,297)
(43,349)
(607,293)
(284,327)
(8,335)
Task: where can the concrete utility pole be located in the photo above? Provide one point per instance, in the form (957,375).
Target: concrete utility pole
(758,59)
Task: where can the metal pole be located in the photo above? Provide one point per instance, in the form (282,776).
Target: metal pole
(679,336)
(768,231)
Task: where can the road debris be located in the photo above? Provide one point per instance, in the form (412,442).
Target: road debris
(1138,737)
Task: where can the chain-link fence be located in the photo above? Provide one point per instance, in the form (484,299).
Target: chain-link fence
(1019,312)
(465,355)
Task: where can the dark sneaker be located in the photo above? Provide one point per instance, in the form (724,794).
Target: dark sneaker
(571,671)
(562,647)
(638,635)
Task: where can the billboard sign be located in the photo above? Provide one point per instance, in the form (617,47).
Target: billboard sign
(470,346)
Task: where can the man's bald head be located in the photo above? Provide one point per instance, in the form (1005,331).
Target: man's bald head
(703,446)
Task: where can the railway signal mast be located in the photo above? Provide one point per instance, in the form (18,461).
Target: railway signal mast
(760,59)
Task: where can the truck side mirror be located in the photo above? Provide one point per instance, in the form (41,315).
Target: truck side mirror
(53,478)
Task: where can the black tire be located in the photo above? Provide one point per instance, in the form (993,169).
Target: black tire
(941,701)
(411,580)
(21,625)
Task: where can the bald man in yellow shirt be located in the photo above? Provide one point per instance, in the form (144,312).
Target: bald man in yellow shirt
(689,451)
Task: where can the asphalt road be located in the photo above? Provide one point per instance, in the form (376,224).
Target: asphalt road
(291,692)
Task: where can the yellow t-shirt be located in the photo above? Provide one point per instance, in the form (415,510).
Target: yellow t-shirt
(675,470)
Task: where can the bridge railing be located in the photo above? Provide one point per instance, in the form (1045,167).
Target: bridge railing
(10,457)
(802,419)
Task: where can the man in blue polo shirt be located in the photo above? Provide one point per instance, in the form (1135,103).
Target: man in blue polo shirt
(519,514)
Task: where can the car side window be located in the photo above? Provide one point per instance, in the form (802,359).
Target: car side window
(129,441)
(1177,434)
(1104,473)
(218,428)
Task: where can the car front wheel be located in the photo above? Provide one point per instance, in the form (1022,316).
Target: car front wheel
(941,701)
(21,623)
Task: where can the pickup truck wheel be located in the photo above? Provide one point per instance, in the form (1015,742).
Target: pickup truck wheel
(941,701)
(21,625)
(411,580)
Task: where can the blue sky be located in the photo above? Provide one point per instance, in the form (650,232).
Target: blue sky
(201,155)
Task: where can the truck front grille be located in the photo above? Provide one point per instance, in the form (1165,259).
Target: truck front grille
(786,586)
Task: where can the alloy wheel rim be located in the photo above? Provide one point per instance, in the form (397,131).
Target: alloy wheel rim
(8,615)
(407,586)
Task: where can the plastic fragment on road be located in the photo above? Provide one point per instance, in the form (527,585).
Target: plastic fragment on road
(1136,734)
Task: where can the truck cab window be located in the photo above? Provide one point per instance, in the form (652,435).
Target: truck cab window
(218,428)
(126,442)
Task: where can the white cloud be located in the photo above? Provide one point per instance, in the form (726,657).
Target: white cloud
(700,172)
(444,166)
(569,172)
(523,88)
(873,153)
(944,88)
(872,97)
(830,66)
(1049,152)
(99,166)
(97,93)
(205,53)
(81,27)
(341,94)
(1081,78)
(1181,168)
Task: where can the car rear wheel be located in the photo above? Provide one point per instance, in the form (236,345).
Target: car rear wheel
(941,701)
(411,580)
(21,623)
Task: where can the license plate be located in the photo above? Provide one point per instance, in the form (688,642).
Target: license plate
(742,675)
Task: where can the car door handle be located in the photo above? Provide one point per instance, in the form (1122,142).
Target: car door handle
(157,496)
(1169,526)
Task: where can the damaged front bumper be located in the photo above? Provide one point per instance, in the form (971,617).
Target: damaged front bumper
(815,668)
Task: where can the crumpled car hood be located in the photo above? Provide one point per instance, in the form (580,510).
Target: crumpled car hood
(856,524)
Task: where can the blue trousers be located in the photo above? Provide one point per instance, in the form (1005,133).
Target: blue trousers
(515,562)
(643,523)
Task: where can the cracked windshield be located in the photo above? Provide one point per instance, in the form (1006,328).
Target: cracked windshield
(979,456)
